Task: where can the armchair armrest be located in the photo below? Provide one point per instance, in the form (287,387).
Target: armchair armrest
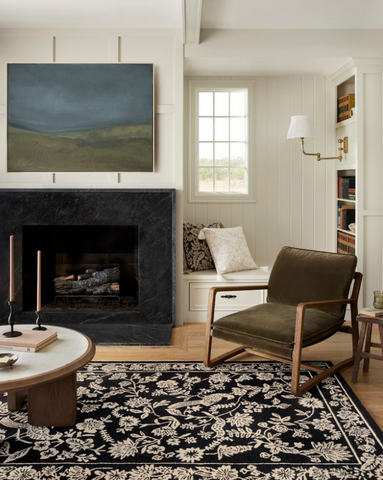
(352,300)
(324,303)
(302,307)
(298,340)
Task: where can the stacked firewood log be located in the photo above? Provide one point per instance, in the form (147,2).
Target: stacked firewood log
(92,282)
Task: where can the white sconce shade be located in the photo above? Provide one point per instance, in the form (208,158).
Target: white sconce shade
(300,127)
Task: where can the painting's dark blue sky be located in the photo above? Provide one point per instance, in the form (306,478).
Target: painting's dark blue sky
(60,98)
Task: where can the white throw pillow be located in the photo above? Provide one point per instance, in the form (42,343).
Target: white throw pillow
(229,249)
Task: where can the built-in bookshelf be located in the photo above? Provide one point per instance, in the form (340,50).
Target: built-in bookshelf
(346,173)
(346,210)
(345,99)
(364,130)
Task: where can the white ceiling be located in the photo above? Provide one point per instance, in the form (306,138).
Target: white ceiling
(204,20)
(293,14)
(90,14)
(236,14)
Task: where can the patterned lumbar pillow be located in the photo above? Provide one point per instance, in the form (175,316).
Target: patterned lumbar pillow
(229,249)
(197,253)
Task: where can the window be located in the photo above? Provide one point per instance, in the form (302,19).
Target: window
(219,140)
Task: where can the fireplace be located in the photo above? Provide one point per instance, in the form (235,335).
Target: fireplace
(108,261)
(73,257)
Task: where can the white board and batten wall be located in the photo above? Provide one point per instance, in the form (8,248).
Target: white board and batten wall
(161,47)
(371,180)
(369,170)
(294,193)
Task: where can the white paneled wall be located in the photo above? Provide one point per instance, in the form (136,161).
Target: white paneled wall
(294,193)
(370,119)
(84,49)
(161,47)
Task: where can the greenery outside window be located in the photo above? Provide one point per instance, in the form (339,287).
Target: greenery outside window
(220,119)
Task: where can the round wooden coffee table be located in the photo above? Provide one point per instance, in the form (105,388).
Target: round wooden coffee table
(48,378)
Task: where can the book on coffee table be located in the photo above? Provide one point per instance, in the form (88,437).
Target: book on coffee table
(29,341)
(371,311)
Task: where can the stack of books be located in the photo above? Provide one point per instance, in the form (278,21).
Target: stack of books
(29,341)
(345,104)
(346,187)
(371,311)
(346,243)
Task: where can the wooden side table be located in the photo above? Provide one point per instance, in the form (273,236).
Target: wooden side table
(365,333)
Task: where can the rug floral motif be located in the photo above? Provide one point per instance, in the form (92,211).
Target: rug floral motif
(184,421)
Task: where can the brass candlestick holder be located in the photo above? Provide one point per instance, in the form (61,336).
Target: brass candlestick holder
(38,322)
(11,322)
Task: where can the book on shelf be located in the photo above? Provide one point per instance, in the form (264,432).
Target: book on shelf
(371,311)
(345,243)
(345,104)
(346,215)
(29,341)
(346,187)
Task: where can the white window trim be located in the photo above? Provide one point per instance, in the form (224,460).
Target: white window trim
(194,196)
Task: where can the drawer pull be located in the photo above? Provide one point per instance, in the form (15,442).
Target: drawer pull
(229,296)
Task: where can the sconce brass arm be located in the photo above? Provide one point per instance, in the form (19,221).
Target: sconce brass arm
(341,149)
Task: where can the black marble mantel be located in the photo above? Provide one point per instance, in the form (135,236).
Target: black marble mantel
(152,210)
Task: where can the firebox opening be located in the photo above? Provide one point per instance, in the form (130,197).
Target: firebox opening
(83,267)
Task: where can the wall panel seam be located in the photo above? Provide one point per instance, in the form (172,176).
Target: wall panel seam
(302,178)
(314,184)
(381,144)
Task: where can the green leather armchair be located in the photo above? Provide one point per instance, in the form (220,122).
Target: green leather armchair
(308,292)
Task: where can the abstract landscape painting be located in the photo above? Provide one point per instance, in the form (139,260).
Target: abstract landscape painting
(80,118)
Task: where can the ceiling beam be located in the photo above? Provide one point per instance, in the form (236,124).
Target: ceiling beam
(192,17)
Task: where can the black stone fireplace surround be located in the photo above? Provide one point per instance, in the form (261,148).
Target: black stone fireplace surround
(152,214)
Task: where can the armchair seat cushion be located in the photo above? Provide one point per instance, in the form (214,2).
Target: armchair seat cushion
(270,327)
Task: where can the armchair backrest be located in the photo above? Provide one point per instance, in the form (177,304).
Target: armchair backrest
(300,275)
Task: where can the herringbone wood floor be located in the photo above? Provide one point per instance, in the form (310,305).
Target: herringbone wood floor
(188,345)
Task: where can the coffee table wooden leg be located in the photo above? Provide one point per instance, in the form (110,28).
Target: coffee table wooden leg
(15,399)
(53,404)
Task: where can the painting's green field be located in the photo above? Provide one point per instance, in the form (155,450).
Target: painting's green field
(125,148)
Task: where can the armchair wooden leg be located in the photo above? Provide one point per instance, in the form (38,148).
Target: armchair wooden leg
(297,389)
(296,372)
(297,352)
(321,376)
(211,362)
(208,361)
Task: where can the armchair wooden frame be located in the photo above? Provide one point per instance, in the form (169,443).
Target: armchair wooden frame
(295,361)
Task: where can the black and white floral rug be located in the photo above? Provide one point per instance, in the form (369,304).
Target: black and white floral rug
(146,421)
